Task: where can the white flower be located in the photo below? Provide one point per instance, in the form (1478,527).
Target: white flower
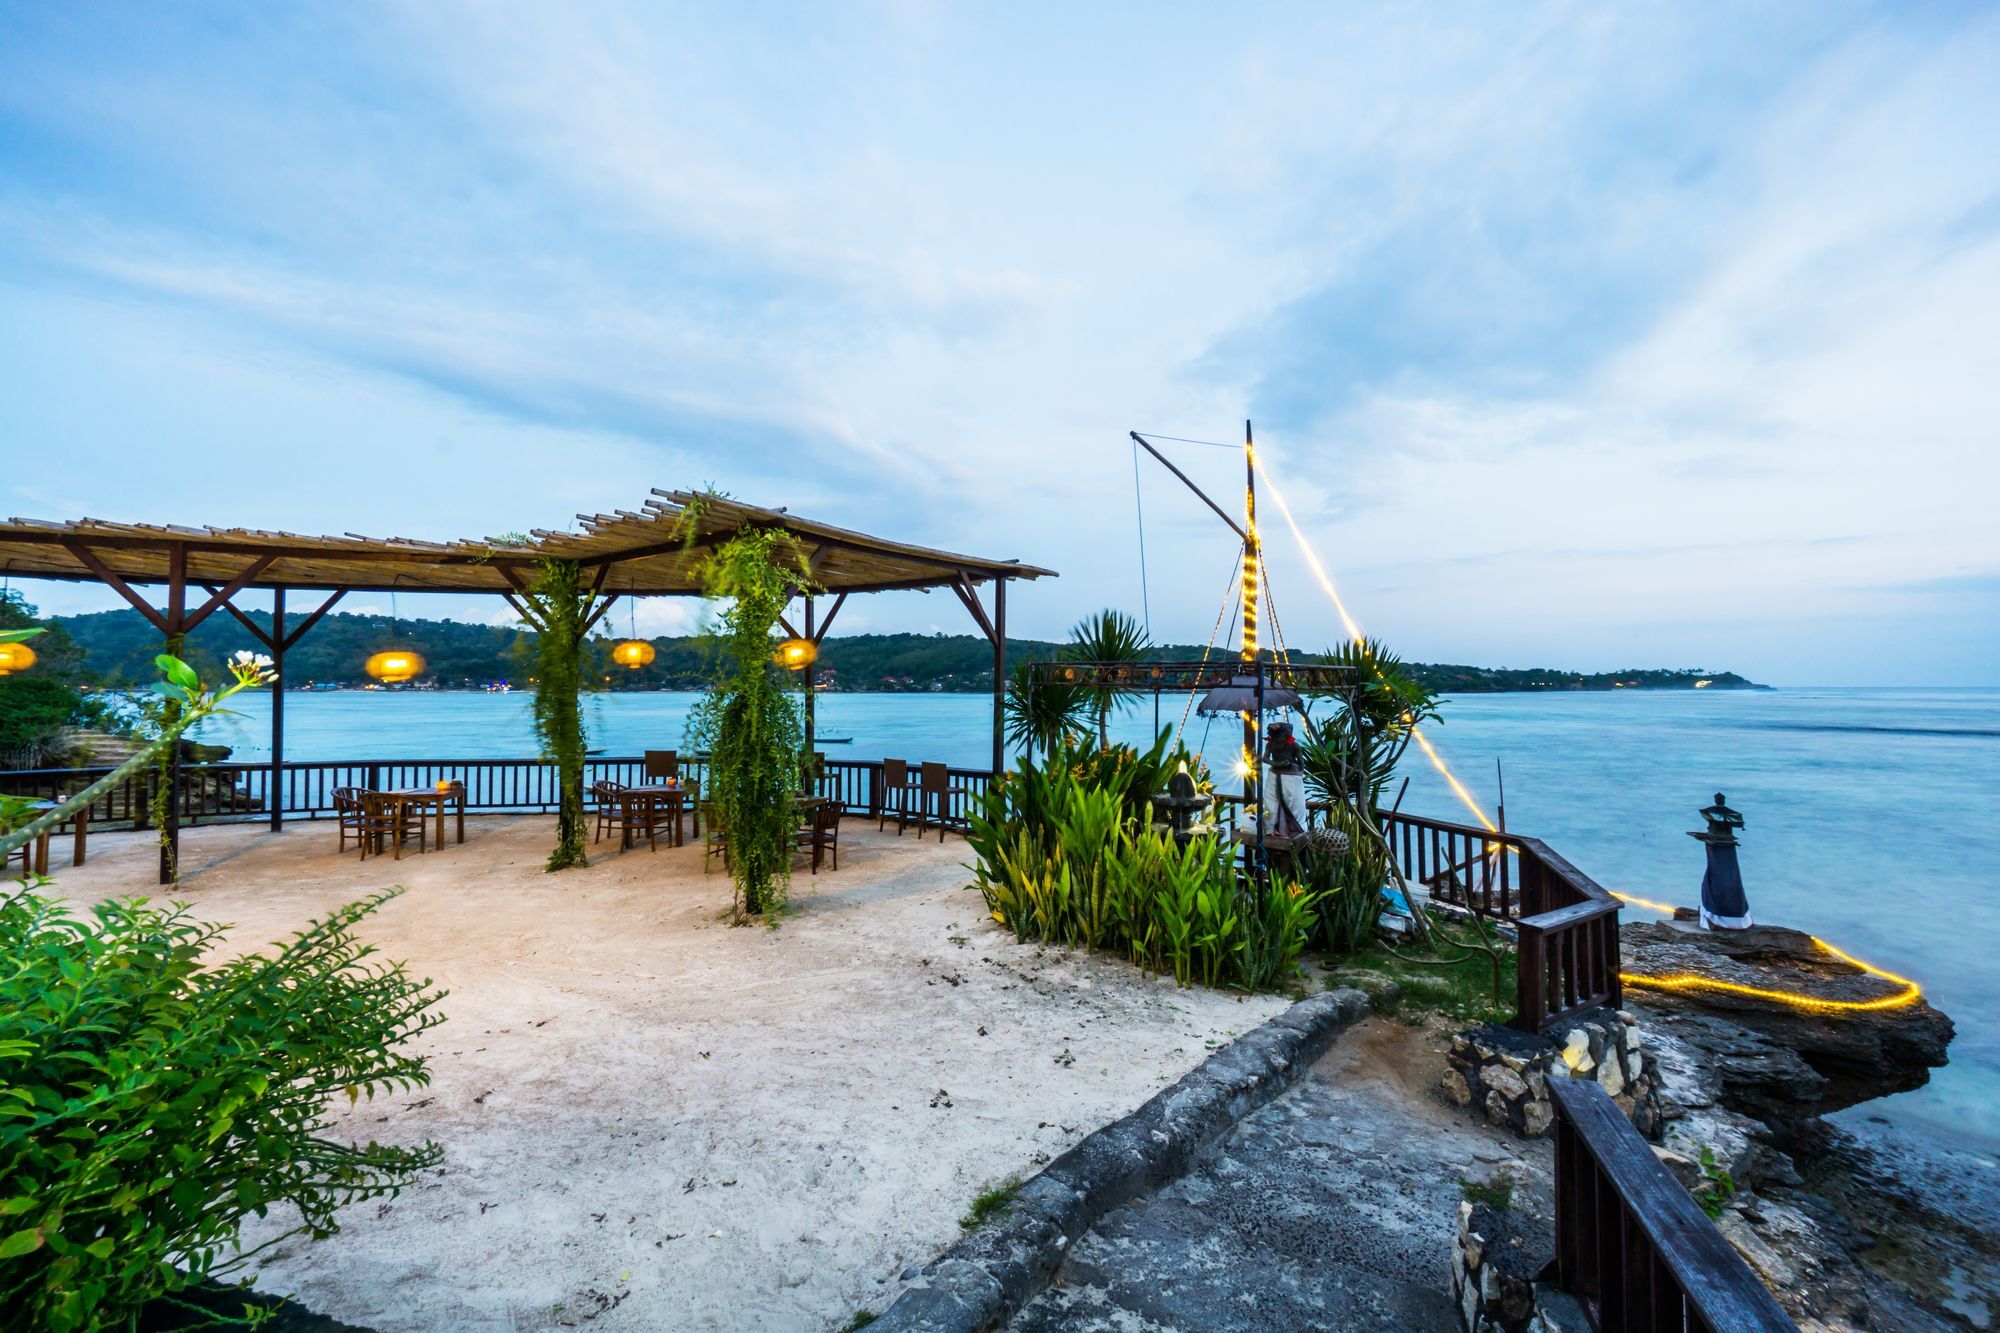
(261,660)
(242,658)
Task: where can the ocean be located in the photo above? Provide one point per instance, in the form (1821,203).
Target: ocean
(1873,815)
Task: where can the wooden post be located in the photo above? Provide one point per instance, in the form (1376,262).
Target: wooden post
(810,674)
(999,676)
(170,845)
(274,790)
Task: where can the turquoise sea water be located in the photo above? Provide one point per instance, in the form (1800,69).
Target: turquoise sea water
(1873,814)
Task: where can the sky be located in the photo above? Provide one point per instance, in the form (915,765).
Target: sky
(1586,336)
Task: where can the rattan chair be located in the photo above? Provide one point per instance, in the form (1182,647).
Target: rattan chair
(348,815)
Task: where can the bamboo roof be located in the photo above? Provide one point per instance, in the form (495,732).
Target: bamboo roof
(655,550)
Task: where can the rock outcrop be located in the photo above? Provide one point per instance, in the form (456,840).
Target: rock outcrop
(1775,1061)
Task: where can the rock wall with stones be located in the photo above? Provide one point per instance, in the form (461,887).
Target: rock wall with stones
(1503,1073)
(1495,1260)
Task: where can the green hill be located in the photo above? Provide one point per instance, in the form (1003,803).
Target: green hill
(117,648)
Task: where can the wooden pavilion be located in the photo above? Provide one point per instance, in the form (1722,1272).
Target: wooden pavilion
(655,551)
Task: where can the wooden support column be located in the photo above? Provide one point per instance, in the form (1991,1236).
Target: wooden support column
(999,675)
(170,835)
(811,673)
(274,790)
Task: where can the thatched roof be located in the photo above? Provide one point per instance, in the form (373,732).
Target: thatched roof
(647,552)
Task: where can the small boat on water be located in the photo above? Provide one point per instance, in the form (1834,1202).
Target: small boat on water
(833,740)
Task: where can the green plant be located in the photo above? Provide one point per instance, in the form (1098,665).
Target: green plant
(1718,1186)
(559,607)
(1114,637)
(1042,717)
(1349,885)
(1496,1192)
(989,1204)
(861,1320)
(1407,983)
(752,729)
(1063,857)
(152,1096)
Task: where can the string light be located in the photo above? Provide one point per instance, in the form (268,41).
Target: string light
(1910,993)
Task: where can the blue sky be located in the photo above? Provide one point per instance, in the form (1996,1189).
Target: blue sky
(1578,335)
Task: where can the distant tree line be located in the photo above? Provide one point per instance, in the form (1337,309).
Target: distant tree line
(116,648)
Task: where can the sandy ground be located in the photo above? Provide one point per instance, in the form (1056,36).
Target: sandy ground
(654,1120)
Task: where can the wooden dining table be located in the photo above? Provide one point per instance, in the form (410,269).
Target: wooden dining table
(432,796)
(676,799)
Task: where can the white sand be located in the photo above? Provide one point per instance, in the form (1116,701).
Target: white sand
(654,1120)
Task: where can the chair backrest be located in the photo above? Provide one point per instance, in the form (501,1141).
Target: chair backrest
(826,817)
(346,798)
(935,778)
(605,790)
(663,763)
(896,772)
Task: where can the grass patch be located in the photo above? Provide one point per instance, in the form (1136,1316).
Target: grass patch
(862,1319)
(1495,1193)
(1462,990)
(989,1204)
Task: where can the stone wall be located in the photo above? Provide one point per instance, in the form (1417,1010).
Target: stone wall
(1503,1074)
(1496,1261)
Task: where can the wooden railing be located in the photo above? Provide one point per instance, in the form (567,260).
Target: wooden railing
(1631,1244)
(1566,924)
(209,792)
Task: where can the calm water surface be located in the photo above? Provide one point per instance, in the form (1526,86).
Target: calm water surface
(1872,813)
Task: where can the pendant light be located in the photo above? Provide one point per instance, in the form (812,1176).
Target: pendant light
(393,666)
(633,651)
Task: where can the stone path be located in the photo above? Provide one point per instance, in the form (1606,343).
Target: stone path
(1332,1208)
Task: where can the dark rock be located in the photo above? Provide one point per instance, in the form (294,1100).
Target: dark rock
(1773,1060)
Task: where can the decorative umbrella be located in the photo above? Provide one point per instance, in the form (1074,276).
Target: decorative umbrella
(1240,696)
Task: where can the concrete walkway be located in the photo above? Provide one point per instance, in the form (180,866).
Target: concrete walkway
(1333,1207)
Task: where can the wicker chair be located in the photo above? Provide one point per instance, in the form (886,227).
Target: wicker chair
(717,842)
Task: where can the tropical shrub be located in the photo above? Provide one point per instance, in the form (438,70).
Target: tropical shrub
(1348,885)
(1061,857)
(152,1097)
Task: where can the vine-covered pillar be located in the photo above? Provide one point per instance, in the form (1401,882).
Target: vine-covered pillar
(274,789)
(563,609)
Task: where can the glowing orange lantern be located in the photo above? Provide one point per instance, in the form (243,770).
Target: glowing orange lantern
(15,657)
(395,665)
(796,654)
(633,653)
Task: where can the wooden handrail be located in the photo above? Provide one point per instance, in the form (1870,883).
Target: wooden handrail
(1630,1242)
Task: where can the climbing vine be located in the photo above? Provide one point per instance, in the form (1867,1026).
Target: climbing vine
(561,607)
(752,728)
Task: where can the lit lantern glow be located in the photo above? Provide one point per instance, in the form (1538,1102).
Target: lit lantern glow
(15,657)
(633,653)
(796,654)
(395,665)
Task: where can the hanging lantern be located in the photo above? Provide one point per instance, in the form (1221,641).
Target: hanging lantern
(15,657)
(633,653)
(796,654)
(395,665)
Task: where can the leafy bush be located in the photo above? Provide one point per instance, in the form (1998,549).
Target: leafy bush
(1349,886)
(151,1098)
(34,710)
(1062,858)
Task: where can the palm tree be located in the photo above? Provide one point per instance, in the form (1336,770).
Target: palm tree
(1046,716)
(1114,637)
